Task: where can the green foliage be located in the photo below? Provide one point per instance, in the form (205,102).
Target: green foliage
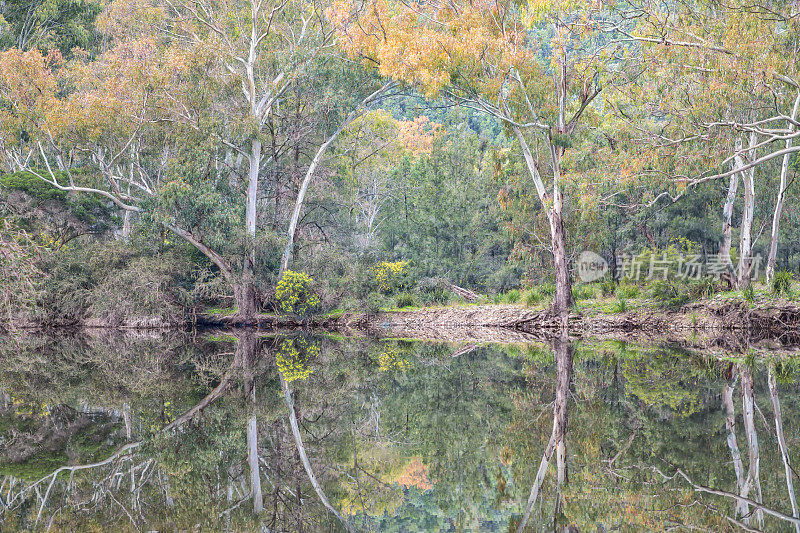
(532,297)
(405,299)
(782,283)
(511,296)
(702,288)
(583,292)
(547,289)
(50,24)
(749,293)
(669,294)
(34,186)
(608,287)
(627,291)
(620,306)
(295,294)
(374,303)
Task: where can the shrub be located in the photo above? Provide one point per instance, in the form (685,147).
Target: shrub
(702,288)
(608,287)
(390,277)
(782,282)
(582,292)
(749,293)
(667,293)
(405,299)
(373,303)
(627,292)
(532,297)
(547,289)
(620,306)
(512,296)
(33,185)
(295,294)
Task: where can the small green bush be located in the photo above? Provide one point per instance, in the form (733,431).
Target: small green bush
(782,283)
(33,185)
(608,287)
(668,293)
(749,293)
(512,296)
(295,294)
(405,299)
(373,304)
(582,292)
(702,288)
(627,291)
(532,297)
(547,289)
(620,306)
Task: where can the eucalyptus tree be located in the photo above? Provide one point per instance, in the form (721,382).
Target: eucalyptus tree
(538,69)
(172,120)
(716,98)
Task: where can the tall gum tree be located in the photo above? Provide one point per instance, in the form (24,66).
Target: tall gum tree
(536,68)
(172,120)
(715,99)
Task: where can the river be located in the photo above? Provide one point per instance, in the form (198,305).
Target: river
(250,431)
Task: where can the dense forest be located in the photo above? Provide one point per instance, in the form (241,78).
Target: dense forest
(161,159)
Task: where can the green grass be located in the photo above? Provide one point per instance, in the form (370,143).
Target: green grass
(224,311)
(220,338)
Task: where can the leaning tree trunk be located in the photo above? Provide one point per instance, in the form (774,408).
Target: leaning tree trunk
(741,507)
(787,467)
(753,453)
(776,215)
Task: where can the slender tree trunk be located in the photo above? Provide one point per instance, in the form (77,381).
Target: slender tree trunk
(776,215)
(741,508)
(246,294)
(558,438)
(753,453)
(248,347)
(562,299)
(727,216)
(787,467)
(745,238)
(298,205)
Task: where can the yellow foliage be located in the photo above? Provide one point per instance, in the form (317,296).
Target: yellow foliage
(292,358)
(389,275)
(295,295)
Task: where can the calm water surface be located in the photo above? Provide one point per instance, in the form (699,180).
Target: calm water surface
(319,433)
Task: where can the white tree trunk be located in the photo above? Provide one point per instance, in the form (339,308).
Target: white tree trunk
(753,453)
(776,215)
(741,507)
(727,216)
(745,237)
(787,468)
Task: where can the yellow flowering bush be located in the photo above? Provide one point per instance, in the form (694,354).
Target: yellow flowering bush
(295,294)
(292,357)
(390,359)
(391,276)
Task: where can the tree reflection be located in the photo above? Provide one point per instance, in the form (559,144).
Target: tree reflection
(305,433)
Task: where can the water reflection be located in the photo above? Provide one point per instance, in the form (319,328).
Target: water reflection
(246,432)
